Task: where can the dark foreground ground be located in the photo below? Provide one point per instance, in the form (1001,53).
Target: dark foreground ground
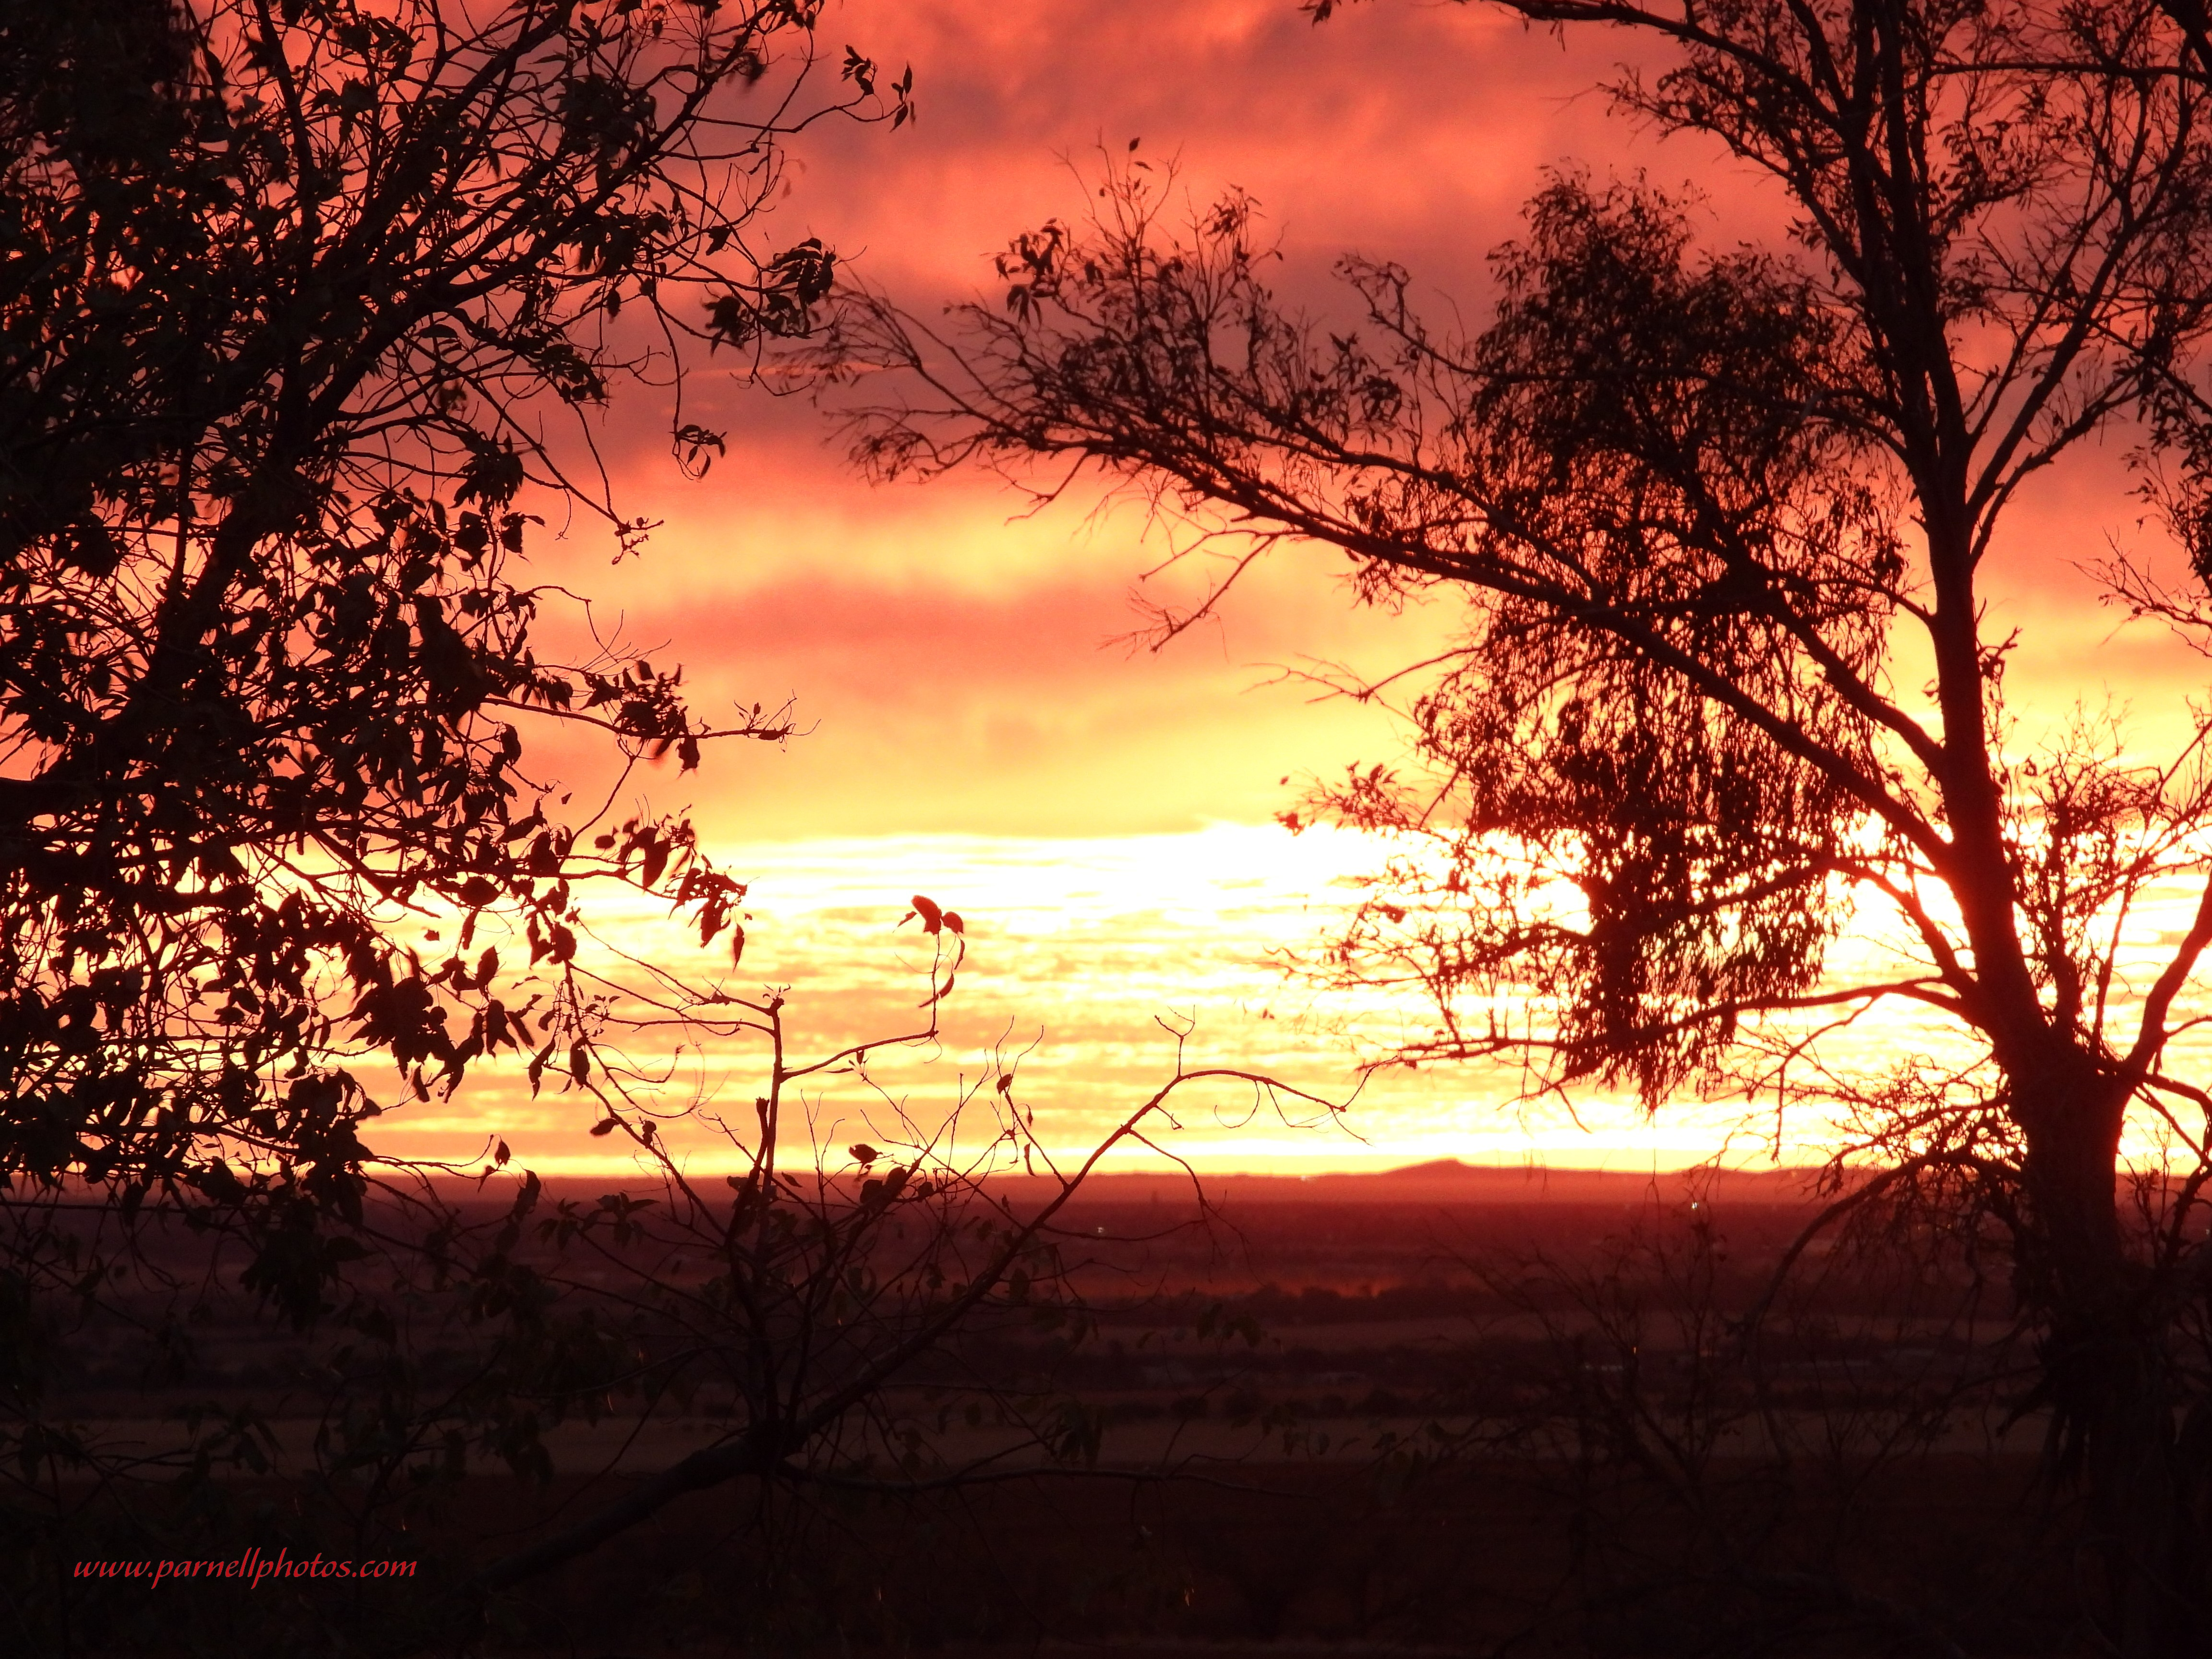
(1438,1412)
(1475,1557)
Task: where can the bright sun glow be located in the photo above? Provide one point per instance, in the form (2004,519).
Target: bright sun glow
(1084,953)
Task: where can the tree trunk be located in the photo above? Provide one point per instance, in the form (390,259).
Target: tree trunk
(2109,1378)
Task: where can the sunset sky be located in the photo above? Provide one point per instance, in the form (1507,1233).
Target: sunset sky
(1103,814)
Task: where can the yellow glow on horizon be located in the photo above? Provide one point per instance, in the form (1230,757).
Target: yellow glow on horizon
(1079,950)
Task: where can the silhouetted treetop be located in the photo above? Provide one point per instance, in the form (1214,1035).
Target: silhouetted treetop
(293,297)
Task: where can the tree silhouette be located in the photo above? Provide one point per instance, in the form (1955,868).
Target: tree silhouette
(811,1297)
(806,1322)
(290,291)
(1712,513)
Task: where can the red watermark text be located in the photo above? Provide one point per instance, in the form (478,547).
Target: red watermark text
(252,1566)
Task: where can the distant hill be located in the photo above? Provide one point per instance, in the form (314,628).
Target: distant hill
(1449,1181)
(1444,1180)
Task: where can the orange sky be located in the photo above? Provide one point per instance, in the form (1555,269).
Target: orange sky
(956,665)
(952,665)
